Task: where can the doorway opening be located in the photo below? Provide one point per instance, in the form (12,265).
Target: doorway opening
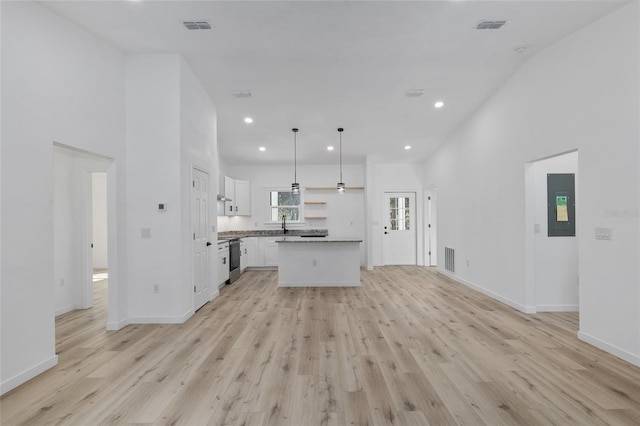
(551,261)
(99,246)
(80,199)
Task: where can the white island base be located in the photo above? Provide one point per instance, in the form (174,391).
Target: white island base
(318,262)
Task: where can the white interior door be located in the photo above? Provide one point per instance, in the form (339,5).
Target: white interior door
(201,243)
(399,228)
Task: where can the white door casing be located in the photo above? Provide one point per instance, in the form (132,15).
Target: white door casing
(399,228)
(201,243)
(431,228)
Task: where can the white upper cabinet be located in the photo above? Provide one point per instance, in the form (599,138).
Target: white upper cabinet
(239,192)
(229,194)
(243,198)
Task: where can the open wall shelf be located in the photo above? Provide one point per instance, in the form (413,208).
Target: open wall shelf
(328,188)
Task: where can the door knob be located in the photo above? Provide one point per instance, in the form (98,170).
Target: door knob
(208,243)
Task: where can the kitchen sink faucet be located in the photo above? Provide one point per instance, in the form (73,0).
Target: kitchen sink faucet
(284,223)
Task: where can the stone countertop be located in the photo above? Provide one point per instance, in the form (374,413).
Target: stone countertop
(227,235)
(318,240)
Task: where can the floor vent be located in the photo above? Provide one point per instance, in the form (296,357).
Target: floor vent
(449,259)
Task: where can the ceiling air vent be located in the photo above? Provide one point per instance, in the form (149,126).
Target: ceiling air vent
(241,93)
(197,25)
(414,93)
(490,25)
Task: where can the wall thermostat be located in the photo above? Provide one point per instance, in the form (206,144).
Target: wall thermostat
(162,207)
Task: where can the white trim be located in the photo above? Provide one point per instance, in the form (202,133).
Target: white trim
(607,347)
(65,309)
(557,308)
(215,294)
(179,319)
(499,298)
(28,374)
(115,326)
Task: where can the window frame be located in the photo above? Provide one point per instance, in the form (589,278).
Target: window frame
(269,206)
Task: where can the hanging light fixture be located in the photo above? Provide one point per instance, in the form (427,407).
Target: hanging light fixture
(341,186)
(295,186)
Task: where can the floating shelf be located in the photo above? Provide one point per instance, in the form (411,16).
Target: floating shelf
(315,217)
(315,202)
(326,188)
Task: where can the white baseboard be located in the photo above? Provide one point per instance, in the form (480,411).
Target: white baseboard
(115,326)
(179,319)
(558,308)
(499,298)
(65,309)
(28,374)
(612,349)
(215,294)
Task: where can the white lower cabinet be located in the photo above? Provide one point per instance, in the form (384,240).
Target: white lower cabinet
(223,263)
(244,257)
(252,254)
(271,251)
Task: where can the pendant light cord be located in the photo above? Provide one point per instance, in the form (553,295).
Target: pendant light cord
(340,130)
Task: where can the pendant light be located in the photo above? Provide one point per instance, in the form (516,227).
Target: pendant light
(295,186)
(341,186)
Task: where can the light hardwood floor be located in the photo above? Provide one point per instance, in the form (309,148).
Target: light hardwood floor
(409,347)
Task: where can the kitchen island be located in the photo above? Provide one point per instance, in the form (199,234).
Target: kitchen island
(318,262)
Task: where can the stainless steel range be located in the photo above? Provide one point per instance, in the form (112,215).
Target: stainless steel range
(234,260)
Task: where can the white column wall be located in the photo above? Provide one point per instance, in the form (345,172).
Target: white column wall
(53,75)
(199,147)
(580,93)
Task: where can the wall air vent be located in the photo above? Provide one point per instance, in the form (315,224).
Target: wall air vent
(197,25)
(414,93)
(449,259)
(241,93)
(490,25)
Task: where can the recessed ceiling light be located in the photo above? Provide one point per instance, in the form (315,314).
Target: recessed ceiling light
(439,104)
(262,148)
(407,147)
(329,148)
(248,120)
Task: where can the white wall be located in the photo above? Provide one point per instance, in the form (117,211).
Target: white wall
(199,148)
(578,94)
(555,258)
(67,87)
(170,128)
(99,210)
(63,86)
(393,178)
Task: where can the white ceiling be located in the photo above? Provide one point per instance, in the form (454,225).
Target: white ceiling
(320,65)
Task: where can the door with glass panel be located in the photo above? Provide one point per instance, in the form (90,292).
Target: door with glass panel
(399,231)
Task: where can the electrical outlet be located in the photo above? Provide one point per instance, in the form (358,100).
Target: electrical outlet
(156,288)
